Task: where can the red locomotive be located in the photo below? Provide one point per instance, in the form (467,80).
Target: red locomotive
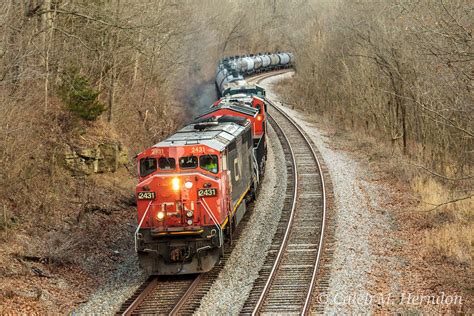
(195,185)
(230,105)
(192,194)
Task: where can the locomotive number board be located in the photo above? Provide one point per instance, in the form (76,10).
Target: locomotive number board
(146,195)
(207,192)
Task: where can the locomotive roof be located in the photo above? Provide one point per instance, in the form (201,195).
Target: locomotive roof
(238,99)
(236,108)
(216,136)
(243,89)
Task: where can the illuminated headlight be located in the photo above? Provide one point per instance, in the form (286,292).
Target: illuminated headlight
(160,216)
(188,184)
(190,221)
(175,184)
(189,213)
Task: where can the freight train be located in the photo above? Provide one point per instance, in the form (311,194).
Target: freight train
(195,185)
(231,70)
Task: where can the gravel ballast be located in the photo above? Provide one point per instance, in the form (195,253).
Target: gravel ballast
(117,289)
(229,292)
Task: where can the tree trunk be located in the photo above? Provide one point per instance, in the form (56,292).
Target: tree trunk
(113,69)
(112,85)
(137,60)
(47,22)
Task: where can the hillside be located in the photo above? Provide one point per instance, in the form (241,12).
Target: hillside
(86,86)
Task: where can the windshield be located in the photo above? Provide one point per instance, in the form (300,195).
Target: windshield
(188,162)
(209,163)
(166,163)
(147,166)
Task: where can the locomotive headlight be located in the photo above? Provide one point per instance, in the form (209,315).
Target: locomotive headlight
(188,184)
(160,215)
(175,184)
(189,213)
(259,117)
(190,221)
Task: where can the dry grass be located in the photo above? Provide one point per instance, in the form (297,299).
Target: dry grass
(453,241)
(450,228)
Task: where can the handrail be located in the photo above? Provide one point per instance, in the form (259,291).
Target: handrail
(214,219)
(256,165)
(140,225)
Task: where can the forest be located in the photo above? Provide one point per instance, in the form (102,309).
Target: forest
(87,85)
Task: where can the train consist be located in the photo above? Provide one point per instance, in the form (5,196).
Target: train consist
(231,70)
(195,185)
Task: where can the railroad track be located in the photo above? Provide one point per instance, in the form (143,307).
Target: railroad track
(287,278)
(178,295)
(159,295)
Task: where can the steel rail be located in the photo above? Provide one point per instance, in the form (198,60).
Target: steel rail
(184,298)
(287,233)
(141,297)
(310,288)
(324,210)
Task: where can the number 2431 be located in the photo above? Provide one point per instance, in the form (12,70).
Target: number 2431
(197,150)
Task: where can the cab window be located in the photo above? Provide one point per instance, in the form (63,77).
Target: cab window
(166,163)
(147,166)
(188,162)
(209,163)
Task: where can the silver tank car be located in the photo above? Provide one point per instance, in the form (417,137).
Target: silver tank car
(232,69)
(250,64)
(284,59)
(292,58)
(265,60)
(274,60)
(257,62)
(243,65)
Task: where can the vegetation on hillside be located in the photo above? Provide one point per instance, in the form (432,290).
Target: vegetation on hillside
(75,75)
(401,72)
(132,65)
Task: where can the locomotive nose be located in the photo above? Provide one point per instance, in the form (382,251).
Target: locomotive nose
(176,201)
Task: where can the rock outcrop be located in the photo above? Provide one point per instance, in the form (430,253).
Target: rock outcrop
(105,157)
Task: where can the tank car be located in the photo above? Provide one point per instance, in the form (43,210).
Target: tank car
(250,65)
(284,59)
(274,61)
(258,63)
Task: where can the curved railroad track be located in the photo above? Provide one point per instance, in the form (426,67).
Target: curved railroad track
(287,278)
